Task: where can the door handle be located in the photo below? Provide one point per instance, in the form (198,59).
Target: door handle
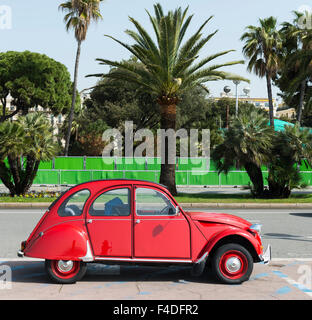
(89,221)
(137,221)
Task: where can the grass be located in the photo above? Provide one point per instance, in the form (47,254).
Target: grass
(195,198)
(238,198)
(25,199)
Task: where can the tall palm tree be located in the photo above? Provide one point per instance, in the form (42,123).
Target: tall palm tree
(297,44)
(168,68)
(80,14)
(262,46)
(246,145)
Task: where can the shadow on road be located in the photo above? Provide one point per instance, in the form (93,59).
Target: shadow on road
(302,214)
(285,236)
(34,272)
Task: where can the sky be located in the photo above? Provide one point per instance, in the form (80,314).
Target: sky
(38,26)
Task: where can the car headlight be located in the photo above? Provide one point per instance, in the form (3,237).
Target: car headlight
(256,227)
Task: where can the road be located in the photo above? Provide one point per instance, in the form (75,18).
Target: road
(288,231)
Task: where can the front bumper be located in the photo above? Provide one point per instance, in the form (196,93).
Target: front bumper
(20,254)
(267,256)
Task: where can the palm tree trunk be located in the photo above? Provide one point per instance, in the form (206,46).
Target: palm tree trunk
(72,109)
(167,173)
(270,96)
(6,178)
(302,93)
(256,177)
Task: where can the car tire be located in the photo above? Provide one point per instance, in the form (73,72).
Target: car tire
(232,264)
(65,272)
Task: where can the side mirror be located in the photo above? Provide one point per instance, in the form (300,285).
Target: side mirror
(177,210)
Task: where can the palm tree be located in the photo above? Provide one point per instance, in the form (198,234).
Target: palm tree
(247,144)
(290,148)
(80,14)
(167,68)
(29,138)
(297,56)
(262,47)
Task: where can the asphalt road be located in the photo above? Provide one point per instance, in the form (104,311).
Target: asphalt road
(288,231)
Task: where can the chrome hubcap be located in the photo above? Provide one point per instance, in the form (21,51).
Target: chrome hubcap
(65,266)
(233,265)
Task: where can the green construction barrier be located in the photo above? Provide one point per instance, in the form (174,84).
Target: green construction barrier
(103,175)
(75,177)
(207,178)
(181,178)
(197,178)
(153,164)
(305,166)
(139,175)
(135,164)
(190,164)
(234,179)
(47,177)
(100,164)
(307,177)
(46,165)
(69,163)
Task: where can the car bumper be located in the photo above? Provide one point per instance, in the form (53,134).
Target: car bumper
(20,254)
(266,256)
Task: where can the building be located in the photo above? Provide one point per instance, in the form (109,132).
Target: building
(262,103)
(289,113)
(56,121)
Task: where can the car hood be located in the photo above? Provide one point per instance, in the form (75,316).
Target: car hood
(222,218)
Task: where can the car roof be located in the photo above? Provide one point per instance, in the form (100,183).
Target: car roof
(123,181)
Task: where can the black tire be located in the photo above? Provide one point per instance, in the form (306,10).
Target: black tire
(55,274)
(232,264)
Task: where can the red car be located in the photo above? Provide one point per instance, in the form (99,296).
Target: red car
(139,222)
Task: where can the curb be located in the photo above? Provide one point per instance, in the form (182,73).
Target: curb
(45,205)
(248,205)
(24,205)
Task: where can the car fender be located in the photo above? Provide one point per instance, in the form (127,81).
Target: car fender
(65,241)
(233,231)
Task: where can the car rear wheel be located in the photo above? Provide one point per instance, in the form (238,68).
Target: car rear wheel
(65,272)
(232,263)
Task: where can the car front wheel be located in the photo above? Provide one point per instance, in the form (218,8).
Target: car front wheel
(232,263)
(65,272)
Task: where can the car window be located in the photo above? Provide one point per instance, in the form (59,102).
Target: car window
(114,202)
(73,205)
(150,202)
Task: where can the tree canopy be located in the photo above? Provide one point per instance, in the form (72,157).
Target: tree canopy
(33,79)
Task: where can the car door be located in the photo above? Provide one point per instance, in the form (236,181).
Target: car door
(159,231)
(109,223)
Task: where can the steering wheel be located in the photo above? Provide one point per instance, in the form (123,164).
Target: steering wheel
(72,210)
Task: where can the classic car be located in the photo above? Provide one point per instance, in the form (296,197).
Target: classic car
(139,222)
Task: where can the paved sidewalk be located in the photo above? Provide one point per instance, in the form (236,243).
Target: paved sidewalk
(280,280)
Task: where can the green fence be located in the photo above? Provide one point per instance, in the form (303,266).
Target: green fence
(189,171)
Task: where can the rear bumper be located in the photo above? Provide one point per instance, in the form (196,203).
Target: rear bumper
(20,253)
(267,256)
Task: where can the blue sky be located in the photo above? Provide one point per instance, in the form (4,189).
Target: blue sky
(38,26)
